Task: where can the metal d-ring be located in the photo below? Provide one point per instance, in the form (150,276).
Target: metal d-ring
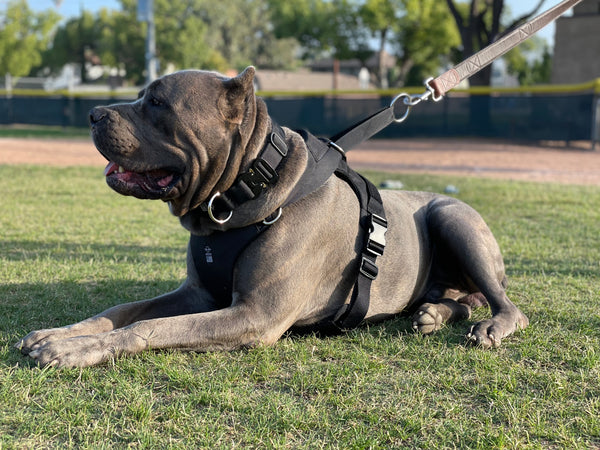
(211,214)
(271,222)
(406,100)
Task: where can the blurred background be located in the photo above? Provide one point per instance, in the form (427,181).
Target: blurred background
(321,64)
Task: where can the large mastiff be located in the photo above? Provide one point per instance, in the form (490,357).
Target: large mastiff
(187,137)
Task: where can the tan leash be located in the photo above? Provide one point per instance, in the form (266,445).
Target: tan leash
(437,87)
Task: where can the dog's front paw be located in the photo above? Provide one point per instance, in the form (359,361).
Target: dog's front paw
(489,333)
(81,351)
(39,338)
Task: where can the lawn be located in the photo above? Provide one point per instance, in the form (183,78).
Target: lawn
(39,131)
(70,247)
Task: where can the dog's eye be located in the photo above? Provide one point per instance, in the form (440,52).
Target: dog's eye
(155,102)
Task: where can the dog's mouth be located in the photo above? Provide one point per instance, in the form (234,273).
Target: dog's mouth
(152,184)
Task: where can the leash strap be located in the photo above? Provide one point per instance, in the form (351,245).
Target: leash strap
(364,129)
(487,55)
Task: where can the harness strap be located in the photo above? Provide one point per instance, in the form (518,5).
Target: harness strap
(373,221)
(323,159)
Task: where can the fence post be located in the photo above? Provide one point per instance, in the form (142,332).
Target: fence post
(8,85)
(596,123)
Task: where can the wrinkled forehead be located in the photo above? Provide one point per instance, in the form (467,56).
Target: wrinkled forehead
(184,82)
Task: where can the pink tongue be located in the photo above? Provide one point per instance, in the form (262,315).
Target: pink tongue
(163,182)
(110,168)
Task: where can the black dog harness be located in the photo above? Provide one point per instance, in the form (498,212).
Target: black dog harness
(215,255)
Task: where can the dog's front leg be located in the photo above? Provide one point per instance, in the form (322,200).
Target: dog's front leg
(225,329)
(185,300)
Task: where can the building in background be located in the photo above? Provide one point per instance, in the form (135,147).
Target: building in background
(577,45)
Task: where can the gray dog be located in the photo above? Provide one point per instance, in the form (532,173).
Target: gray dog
(185,140)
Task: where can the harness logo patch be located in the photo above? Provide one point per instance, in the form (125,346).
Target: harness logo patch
(208,254)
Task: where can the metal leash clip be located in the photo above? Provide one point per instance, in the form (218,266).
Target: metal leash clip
(412,100)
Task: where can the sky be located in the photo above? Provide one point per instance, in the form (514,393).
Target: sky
(68,8)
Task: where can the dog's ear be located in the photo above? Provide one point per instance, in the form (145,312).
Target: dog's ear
(238,95)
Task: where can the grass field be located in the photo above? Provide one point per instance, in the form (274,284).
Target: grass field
(70,248)
(46,132)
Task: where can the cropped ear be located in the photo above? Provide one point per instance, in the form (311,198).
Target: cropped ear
(238,95)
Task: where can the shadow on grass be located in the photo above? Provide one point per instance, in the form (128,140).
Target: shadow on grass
(62,251)
(28,306)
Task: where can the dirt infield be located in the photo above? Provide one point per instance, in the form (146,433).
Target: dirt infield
(546,162)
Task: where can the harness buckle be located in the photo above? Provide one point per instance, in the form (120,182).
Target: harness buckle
(264,169)
(257,178)
(368,268)
(376,240)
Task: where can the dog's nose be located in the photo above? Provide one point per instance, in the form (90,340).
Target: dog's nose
(97,114)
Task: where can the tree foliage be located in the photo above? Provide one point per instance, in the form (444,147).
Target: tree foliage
(380,17)
(271,34)
(322,27)
(23,36)
(529,64)
(425,40)
(189,34)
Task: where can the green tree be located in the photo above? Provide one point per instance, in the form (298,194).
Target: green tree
(24,35)
(322,27)
(240,30)
(529,64)
(108,38)
(120,42)
(425,40)
(189,34)
(380,17)
(180,35)
(216,35)
(71,42)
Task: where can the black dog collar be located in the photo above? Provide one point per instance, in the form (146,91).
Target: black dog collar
(252,183)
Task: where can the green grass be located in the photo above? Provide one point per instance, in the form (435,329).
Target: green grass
(42,132)
(70,248)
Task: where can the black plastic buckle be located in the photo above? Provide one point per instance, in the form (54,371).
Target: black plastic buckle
(377,229)
(368,268)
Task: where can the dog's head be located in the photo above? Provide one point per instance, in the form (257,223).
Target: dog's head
(185,137)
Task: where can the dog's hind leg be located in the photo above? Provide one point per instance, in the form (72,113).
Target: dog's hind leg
(466,248)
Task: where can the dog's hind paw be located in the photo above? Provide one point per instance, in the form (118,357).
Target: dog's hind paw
(427,319)
(431,316)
